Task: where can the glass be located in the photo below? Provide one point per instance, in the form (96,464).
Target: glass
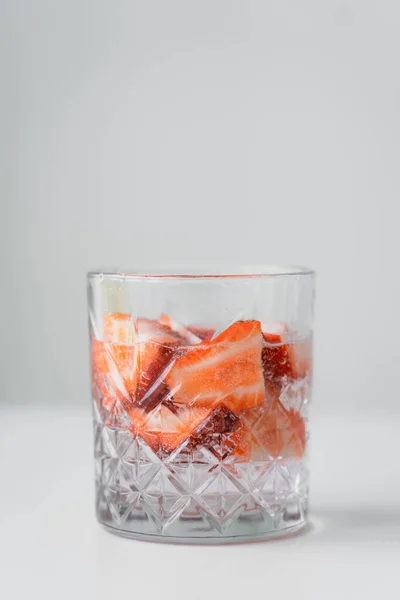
(200,387)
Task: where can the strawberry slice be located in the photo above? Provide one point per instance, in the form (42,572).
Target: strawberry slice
(132,358)
(287,433)
(278,431)
(204,333)
(215,432)
(277,364)
(295,433)
(274,332)
(118,328)
(275,354)
(188,336)
(245,445)
(165,430)
(280,359)
(155,347)
(226,370)
(122,328)
(301,356)
(100,384)
(114,376)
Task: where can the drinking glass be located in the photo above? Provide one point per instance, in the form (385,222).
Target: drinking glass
(200,389)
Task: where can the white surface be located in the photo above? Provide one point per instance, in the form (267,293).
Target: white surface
(52,548)
(242,131)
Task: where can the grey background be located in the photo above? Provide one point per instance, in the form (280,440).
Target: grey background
(243,131)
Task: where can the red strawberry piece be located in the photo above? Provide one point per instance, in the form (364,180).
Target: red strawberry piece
(187,336)
(244,444)
(152,363)
(155,347)
(295,435)
(133,357)
(285,432)
(226,370)
(124,329)
(283,359)
(301,355)
(114,377)
(214,432)
(165,430)
(100,385)
(203,333)
(154,331)
(274,332)
(280,432)
(118,328)
(277,363)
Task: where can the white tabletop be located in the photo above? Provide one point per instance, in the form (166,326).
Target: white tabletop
(52,547)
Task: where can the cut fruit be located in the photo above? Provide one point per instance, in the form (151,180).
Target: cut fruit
(151,364)
(132,359)
(155,346)
(100,385)
(279,432)
(187,336)
(295,434)
(216,431)
(244,444)
(118,328)
(122,328)
(274,332)
(280,360)
(226,370)
(277,364)
(113,372)
(289,437)
(204,333)
(163,429)
(301,355)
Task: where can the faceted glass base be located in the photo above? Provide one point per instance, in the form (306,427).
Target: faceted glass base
(189,538)
(194,495)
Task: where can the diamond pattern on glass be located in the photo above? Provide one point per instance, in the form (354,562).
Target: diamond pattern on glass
(210,491)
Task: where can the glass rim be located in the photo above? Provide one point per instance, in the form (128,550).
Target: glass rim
(240,272)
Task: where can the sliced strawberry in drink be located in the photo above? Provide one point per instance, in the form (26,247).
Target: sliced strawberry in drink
(165,430)
(269,434)
(203,333)
(295,434)
(184,333)
(151,365)
(134,356)
(214,432)
(156,344)
(226,370)
(287,433)
(282,359)
(247,444)
(275,354)
(274,332)
(277,364)
(124,329)
(292,360)
(301,355)
(243,443)
(190,419)
(154,331)
(113,372)
(118,328)
(279,431)
(100,384)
